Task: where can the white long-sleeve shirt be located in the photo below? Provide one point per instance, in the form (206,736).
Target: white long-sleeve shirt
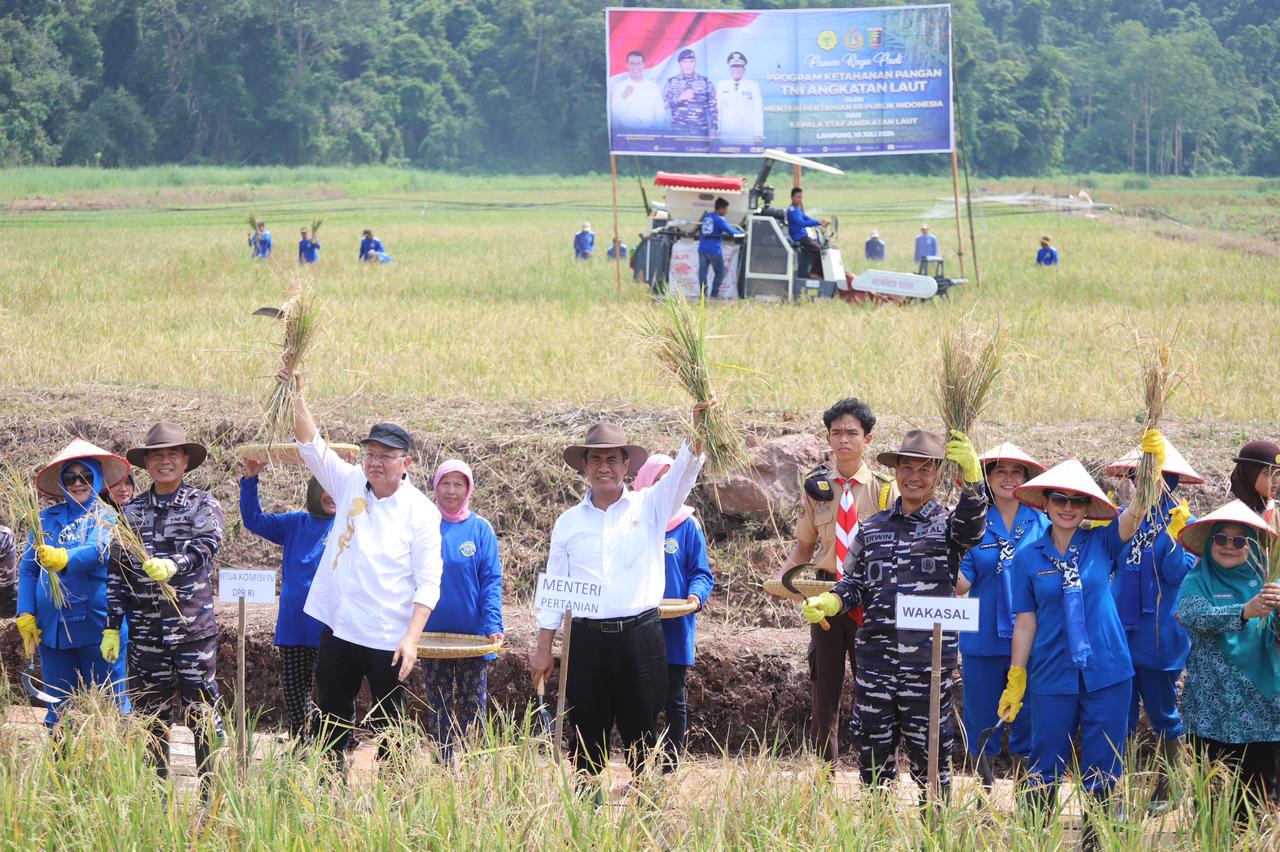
(382,556)
(621,547)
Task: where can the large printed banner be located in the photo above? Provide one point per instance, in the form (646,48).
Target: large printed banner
(846,82)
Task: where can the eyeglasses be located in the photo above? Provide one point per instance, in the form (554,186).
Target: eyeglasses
(1063,500)
(72,477)
(1237,542)
(381,458)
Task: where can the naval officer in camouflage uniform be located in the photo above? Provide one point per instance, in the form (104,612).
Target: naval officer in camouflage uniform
(691,99)
(182,529)
(914,548)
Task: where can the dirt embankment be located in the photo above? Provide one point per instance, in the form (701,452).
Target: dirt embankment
(750,683)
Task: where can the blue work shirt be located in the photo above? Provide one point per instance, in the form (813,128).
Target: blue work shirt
(1158,642)
(713,227)
(260,244)
(979,568)
(584,242)
(471,585)
(797,221)
(308,251)
(874,249)
(687,574)
(1047,256)
(370,244)
(303,536)
(926,246)
(1037,587)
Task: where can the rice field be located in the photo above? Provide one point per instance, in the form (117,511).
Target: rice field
(150,285)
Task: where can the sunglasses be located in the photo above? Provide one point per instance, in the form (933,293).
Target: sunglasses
(1236,541)
(1063,500)
(71,478)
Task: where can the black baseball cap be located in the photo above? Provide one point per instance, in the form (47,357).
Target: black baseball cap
(736,58)
(390,435)
(686,54)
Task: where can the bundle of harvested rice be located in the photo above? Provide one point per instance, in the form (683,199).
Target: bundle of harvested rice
(676,335)
(970,359)
(23,503)
(1264,555)
(253,221)
(315,227)
(133,546)
(1159,379)
(300,316)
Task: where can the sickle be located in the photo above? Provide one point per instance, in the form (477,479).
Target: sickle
(986,735)
(788,583)
(29,685)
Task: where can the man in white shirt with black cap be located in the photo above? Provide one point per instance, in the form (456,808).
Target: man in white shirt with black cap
(379,577)
(618,664)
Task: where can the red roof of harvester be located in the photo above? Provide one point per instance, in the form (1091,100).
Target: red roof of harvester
(709,182)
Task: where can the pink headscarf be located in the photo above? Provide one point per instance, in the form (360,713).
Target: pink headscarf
(649,473)
(455,466)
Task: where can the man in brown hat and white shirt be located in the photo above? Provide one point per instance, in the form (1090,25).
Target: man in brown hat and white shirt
(618,671)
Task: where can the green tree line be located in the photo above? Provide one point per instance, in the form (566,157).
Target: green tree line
(1157,86)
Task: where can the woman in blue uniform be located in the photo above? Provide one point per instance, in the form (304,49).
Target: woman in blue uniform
(303,536)
(470,602)
(986,573)
(688,577)
(1148,581)
(1070,659)
(76,547)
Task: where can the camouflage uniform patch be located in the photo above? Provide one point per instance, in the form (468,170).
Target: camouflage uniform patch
(697,115)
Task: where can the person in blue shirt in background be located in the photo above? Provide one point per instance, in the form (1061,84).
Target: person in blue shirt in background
(470,602)
(1047,255)
(874,248)
(926,246)
(986,574)
(584,242)
(711,232)
(308,249)
(260,242)
(1147,586)
(797,223)
(371,248)
(75,548)
(688,578)
(303,536)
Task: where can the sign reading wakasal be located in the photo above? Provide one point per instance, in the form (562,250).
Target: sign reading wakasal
(921,612)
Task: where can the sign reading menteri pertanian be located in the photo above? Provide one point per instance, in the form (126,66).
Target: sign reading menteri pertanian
(920,612)
(561,593)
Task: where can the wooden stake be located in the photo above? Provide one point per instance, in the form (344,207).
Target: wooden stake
(241,721)
(955,194)
(795,176)
(935,715)
(563,686)
(617,255)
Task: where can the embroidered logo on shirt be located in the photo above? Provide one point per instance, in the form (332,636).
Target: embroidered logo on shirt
(468,548)
(671,546)
(358,506)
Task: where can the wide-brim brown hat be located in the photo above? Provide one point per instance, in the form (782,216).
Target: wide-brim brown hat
(605,436)
(114,468)
(1195,536)
(162,436)
(1174,463)
(916,444)
(1011,452)
(1069,477)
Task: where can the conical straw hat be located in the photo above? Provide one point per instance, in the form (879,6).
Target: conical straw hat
(1069,477)
(1195,536)
(1173,463)
(1011,452)
(114,468)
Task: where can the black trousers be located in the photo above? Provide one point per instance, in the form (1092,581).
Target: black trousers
(1254,762)
(677,712)
(829,650)
(616,677)
(808,258)
(341,667)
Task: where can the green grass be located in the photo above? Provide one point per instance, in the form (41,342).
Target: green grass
(487,303)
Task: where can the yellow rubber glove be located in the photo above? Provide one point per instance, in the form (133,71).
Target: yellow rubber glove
(960,450)
(159,570)
(1178,517)
(110,646)
(1111,495)
(50,557)
(1011,698)
(29,632)
(1153,443)
(825,605)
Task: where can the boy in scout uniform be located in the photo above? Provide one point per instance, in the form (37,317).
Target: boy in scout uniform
(835,496)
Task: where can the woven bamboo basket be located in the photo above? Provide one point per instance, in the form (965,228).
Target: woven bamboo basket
(808,587)
(675,607)
(287,453)
(454,646)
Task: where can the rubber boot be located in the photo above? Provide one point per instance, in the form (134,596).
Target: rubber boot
(1169,758)
(1089,839)
(985,772)
(158,749)
(1019,767)
(204,767)
(1039,801)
